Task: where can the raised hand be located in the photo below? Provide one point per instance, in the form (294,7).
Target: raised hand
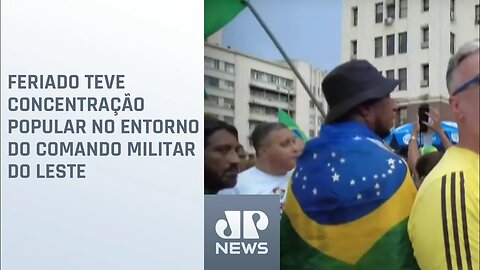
(434,123)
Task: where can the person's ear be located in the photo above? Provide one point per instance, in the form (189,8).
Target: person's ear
(364,111)
(262,150)
(455,107)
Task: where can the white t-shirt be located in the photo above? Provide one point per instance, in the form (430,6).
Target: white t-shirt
(254,181)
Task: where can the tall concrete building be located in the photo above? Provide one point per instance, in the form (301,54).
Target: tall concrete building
(410,40)
(245,91)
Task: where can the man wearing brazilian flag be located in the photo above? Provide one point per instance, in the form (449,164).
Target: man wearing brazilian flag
(350,197)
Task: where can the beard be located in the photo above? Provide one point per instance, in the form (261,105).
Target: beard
(214,182)
(381,130)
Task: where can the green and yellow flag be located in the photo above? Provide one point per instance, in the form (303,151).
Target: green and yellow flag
(218,13)
(347,205)
(285,119)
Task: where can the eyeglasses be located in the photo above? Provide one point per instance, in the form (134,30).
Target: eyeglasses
(467,85)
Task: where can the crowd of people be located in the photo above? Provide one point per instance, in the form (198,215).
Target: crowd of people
(348,200)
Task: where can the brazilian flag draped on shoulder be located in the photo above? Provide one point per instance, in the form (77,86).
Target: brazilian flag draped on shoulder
(348,204)
(285,119)
(218,13)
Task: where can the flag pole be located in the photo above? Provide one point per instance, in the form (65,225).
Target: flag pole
(285,56)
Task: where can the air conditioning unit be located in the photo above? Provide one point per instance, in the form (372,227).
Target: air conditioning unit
(424,83)
(452,15)
(388,21)
(424,45)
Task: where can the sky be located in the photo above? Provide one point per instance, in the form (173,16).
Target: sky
(308,30)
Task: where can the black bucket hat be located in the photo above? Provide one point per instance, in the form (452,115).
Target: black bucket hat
(351,84)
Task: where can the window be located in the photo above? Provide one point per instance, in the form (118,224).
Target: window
(269,78)
(425,5)
(287,83)
(425,37)
(211,63)
(255,74)
(228,103)
(452,43)
(354,49)
(229,68)
(355,16)
(378,12)
(390,44)
(257,109)
(390,74)
(402,42)
(212,100)
(271,111)
(228,85)
(391,10)
(211,81)
(452,10)
(402,77)
(477,14)
(378,47)
(312,105)
(401,116)
(425,75)
(403,9)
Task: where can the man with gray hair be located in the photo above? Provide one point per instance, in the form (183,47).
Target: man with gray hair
(444,223)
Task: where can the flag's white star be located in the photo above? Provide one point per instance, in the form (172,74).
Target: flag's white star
(359,196)
(364,178)
(357,138)
(378,193)
(377,186)
(333,169)
(314,155)
(328,164)
(314,191)
(391,161)
(303,187)
(400,161)
(342,160)
(390,171)
(383,175)
(392,167)
(296,175)
(334,154)
(375,176)
(305,178)
(336,177)
(301,169)
(352,182)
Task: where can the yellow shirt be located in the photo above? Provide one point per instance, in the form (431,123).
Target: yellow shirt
(443,225)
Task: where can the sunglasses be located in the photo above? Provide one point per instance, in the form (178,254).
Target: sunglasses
(467,85)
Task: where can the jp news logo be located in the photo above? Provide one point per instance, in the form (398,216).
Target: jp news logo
(242,225)
(242,232)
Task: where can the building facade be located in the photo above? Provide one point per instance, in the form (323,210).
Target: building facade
(410,40)
(245,91)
